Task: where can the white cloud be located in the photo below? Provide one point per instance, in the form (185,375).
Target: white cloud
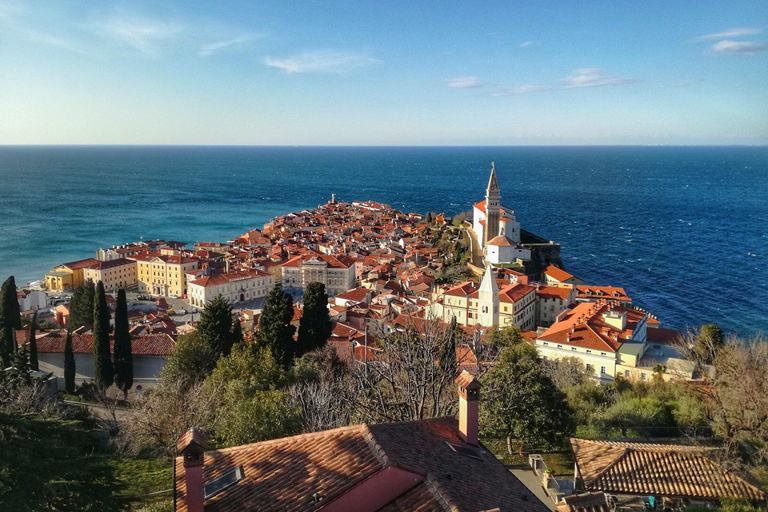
(738,47)
(524,89)
(143,34)
(582,77)
(593,77)
(320,62)
(464,82)
(735,32)
(209,49)
(529,43)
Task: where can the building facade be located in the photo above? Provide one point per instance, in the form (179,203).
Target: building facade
(235,287)
(337,273)
(115,274)
(68,276)
(164,275)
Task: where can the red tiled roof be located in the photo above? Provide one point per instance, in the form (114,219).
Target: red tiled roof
(515,292)
(658,469)
(558,273)
(148,344)
(356,295)
(226,278)
(607,292)
(285,473)
(502,241)
(74,265)
(553,292)
(590,329)
(589,502)
(339,261)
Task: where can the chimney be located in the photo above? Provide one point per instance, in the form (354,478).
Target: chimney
(469,401)
(191,446)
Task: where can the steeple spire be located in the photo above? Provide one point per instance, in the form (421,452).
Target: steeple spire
(492,183)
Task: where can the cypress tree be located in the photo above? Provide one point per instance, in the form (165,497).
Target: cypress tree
(123,353)
(81,305)
(10,320)
(69,364)
(275,329)
(215,325)
(33,343)
(315,324)
(102,359)
(237,332)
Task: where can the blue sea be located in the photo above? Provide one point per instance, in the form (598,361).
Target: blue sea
(683,229)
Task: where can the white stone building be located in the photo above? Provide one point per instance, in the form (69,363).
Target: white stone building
(603,335)
(149,356)
(115,274)
(337,273)
(235,287)
(491,219)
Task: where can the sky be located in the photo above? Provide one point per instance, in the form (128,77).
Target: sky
(410,72)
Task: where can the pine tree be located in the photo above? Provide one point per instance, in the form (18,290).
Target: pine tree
(69,364)
(10,320)
(123,353)
(215,326)
(81,305)
(237,332)
(275,329)
(102,359)
(32,342)
(315,324)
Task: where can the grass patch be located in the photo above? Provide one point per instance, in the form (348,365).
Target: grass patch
(561,462)
(138,477)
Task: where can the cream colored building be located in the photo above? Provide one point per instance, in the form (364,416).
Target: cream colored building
(235,287)
(551,301)
(337,273)
(115,274)
(487,305)
(67,275)
(596,333)
(162,274)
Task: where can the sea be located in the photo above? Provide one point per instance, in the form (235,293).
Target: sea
(683,229)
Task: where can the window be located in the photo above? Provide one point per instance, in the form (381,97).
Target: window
(602,370)
(602,353)
(573,348)
(644,376)
(627,373)
(589,351)
(559,346)
(589,367)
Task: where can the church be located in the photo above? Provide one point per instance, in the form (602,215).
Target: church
(496,227)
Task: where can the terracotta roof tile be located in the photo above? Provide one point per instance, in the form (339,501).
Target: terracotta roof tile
(658,469)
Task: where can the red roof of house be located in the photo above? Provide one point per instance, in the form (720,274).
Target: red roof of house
(606,292)
(584,326)
(364,461)
(553,292)
(502,241)
(148,345)
(558,273)
(226,278)
(338,261)
(356,295)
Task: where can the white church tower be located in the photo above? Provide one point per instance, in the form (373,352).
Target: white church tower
(492,207)
(488,300)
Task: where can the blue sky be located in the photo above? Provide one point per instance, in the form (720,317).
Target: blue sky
(383,73)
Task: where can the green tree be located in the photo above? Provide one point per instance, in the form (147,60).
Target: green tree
(251,364)
(102,357)
(708,343)
(123,352)
(10,319)
(315,324)
(505,336)
(636,416)
(249,419)
(191,360)
(81,305)
(32,342)
(215,326)
(275,329)
(237,332)
(522,403)
(69,364)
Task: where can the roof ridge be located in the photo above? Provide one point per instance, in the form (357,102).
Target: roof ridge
(625,452)
(285,439)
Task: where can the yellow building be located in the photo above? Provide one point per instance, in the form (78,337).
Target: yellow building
(164,274)
(114,274)
(68,275)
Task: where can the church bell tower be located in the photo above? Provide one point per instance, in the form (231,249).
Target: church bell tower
(492,207)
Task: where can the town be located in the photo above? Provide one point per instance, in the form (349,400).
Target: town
(382,293)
